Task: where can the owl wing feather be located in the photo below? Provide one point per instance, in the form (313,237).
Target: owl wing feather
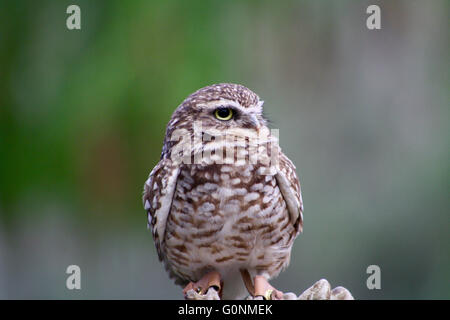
(159,190)
(290,189)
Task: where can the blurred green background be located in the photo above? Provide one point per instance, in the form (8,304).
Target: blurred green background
(363,114)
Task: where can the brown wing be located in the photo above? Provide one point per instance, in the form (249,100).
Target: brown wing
(158,195)
(290,189)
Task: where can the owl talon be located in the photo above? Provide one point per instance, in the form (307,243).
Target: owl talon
(209,280)
(265,290)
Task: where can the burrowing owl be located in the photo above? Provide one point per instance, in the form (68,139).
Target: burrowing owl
(220,208)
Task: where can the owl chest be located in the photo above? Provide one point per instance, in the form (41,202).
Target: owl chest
(216,202)
(225,217)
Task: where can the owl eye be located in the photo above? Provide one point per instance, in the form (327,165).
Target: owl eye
(223,114)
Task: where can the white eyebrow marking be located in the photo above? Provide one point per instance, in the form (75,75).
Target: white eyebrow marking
(217,103)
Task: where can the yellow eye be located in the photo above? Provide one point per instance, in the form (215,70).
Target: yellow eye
(223,114)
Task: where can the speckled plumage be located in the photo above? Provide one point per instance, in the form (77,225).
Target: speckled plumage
(218,215)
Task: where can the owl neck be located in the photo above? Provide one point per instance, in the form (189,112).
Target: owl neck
(234,146)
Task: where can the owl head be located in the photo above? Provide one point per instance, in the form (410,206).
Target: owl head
(215,117)
(222,107)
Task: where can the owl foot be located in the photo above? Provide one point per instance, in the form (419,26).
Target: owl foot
(265,290)
(260,288)
(209,280)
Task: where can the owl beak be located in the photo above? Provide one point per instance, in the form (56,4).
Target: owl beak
(253,121)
